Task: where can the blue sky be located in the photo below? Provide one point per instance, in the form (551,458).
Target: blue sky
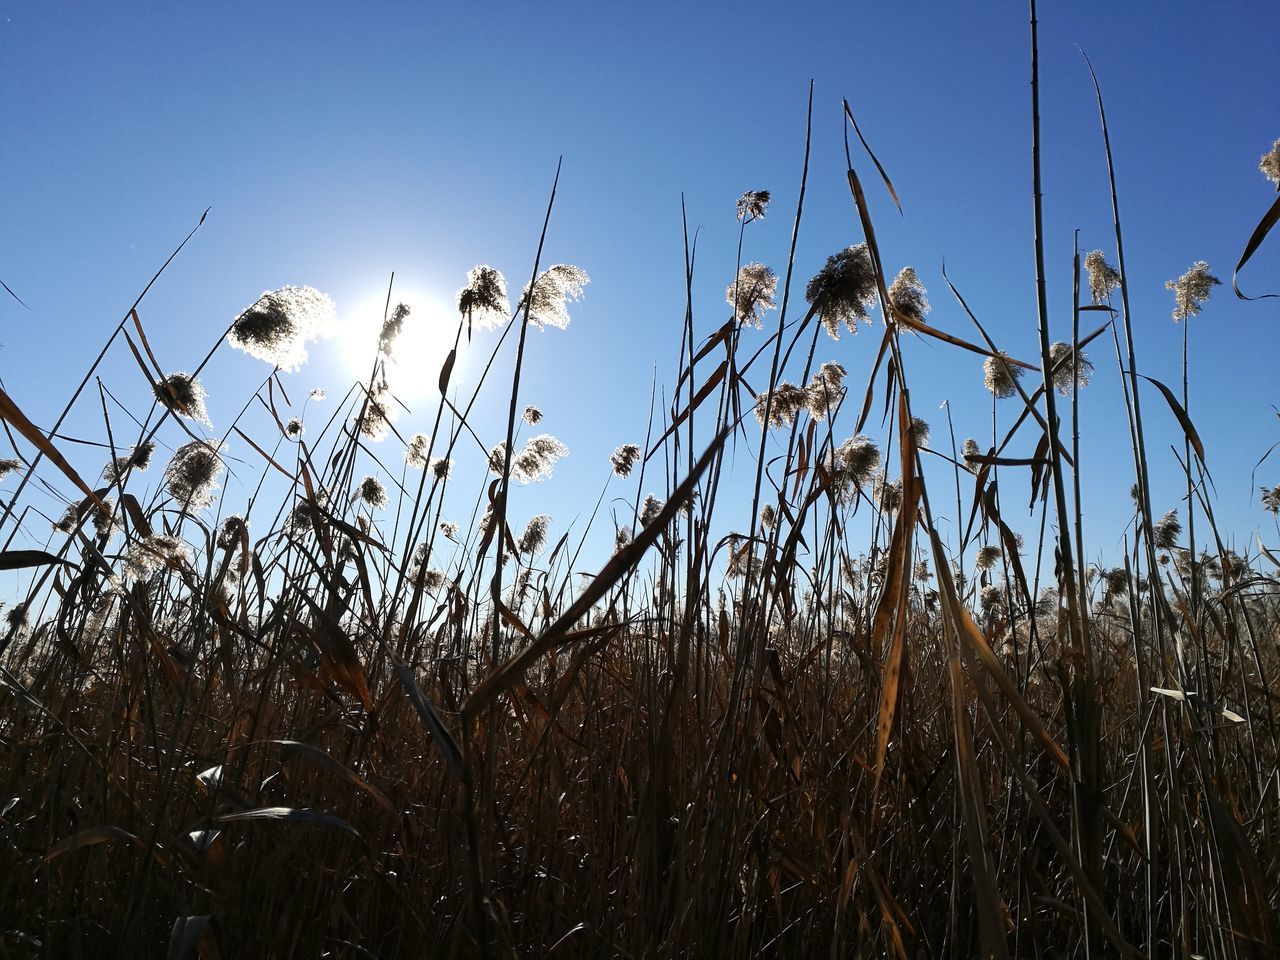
(337,143)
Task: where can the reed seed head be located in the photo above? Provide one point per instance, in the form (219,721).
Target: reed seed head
(987,557)
(768,516)
(919,432)
(532,415)
(1271,499)
(752,293)
(751,205)
(843,289)
(1071,368)
(233,529)
(551,293)
(1270,164)
(907,295)
(535,461)
(534,537)
(1000,376)
(372,492)
(152,554)
(856,461)
(1166,530)
(781,404)
(825,390)
(449,529)
(1103,278)
(374,421)
(970,449)
(8,466)
(392,327)
(484,299)
(650,509)
(278,325)
(293,429)
(1191,290)
(624,458)
(441,467)
(192,474)
(415,452)
(184,395)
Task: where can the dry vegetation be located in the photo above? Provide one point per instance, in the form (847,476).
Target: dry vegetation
(292,734)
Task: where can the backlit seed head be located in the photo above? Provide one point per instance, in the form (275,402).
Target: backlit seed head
(1103,278)
(1000,376)
(278,325)
(532,415)
(843,289)
(624,458)
(484,299)
(781,405)
(1271,499)
(449,529)
(534,537)
(1270,164)
(551,293)
(752,204)
(392,327)
(372,492)
(987,557)
(650,509)
(1071,368)
(184,395)
(1166,530)
(293,429)
(192,474)
(1191,290)
(907,295)
(8,466)
(535,461)
(752,293)
(415,452)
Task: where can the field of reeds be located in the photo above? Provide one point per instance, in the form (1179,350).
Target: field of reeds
(343,723)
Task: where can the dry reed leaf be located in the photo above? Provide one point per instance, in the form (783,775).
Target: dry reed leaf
(88,838)
(18,559)
(321,759)
(1269,220)
(9,411)
(290,815)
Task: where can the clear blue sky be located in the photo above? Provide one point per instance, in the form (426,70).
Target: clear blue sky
(337,143)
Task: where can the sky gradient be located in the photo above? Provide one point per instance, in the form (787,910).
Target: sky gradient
(338,143)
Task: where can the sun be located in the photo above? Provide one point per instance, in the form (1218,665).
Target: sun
(418,352)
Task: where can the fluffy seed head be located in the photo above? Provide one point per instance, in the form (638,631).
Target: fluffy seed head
(534,537)
(887,493)
(449,529)
(1071,368)
(372,492)
(147,556)
(987,557)
(1191,290)
(1166,530)
(843,289)
(970,449)
(825,390)
(184,395)
(7,466)
(415,453)
(768,516)
(1103,278)
(277,326)
(907,295)
(781,405)
(16,618)
(856,460)
(919,432)
(535,461)
(1270,164)
(751,205)
(231,531)
(441,467)
(991,599)
(374,422)
(1271,499)
(392,327)
(624,458)
(550,294)
(752,293)
(532,415)
(1000,376)
(192,474)
(139,458)
(650,509)
(293,428)
(484,299)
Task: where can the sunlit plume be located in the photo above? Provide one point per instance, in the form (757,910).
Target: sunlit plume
(752,293)
(192,474)
(1103,278)
(1191,290)
(483,301)
(278,325)
(843,289)
(184,395)
(547,301)
(624,458)
(752,204)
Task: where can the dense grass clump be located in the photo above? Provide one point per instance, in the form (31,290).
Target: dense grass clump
(339,720)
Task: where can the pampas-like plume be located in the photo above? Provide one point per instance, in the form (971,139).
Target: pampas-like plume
(277,326)
(1191,290)
(624,458)
(1270,164)
(534,537)
(184,395)
(551,293)
(1166,530)
(650,509)
(7,466)
(781,404)
(294,429)
(825,390)
(752,293)
(987,557)
(535,461)
(1000,376)
(752,204)
(150,554)
(484,299)
(1063,359)
(843,289)
(372,492)
(192,474)
(532,415)
(907,295)
(392,327)
(1103,278)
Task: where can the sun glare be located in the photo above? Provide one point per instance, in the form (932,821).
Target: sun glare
(418,351)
